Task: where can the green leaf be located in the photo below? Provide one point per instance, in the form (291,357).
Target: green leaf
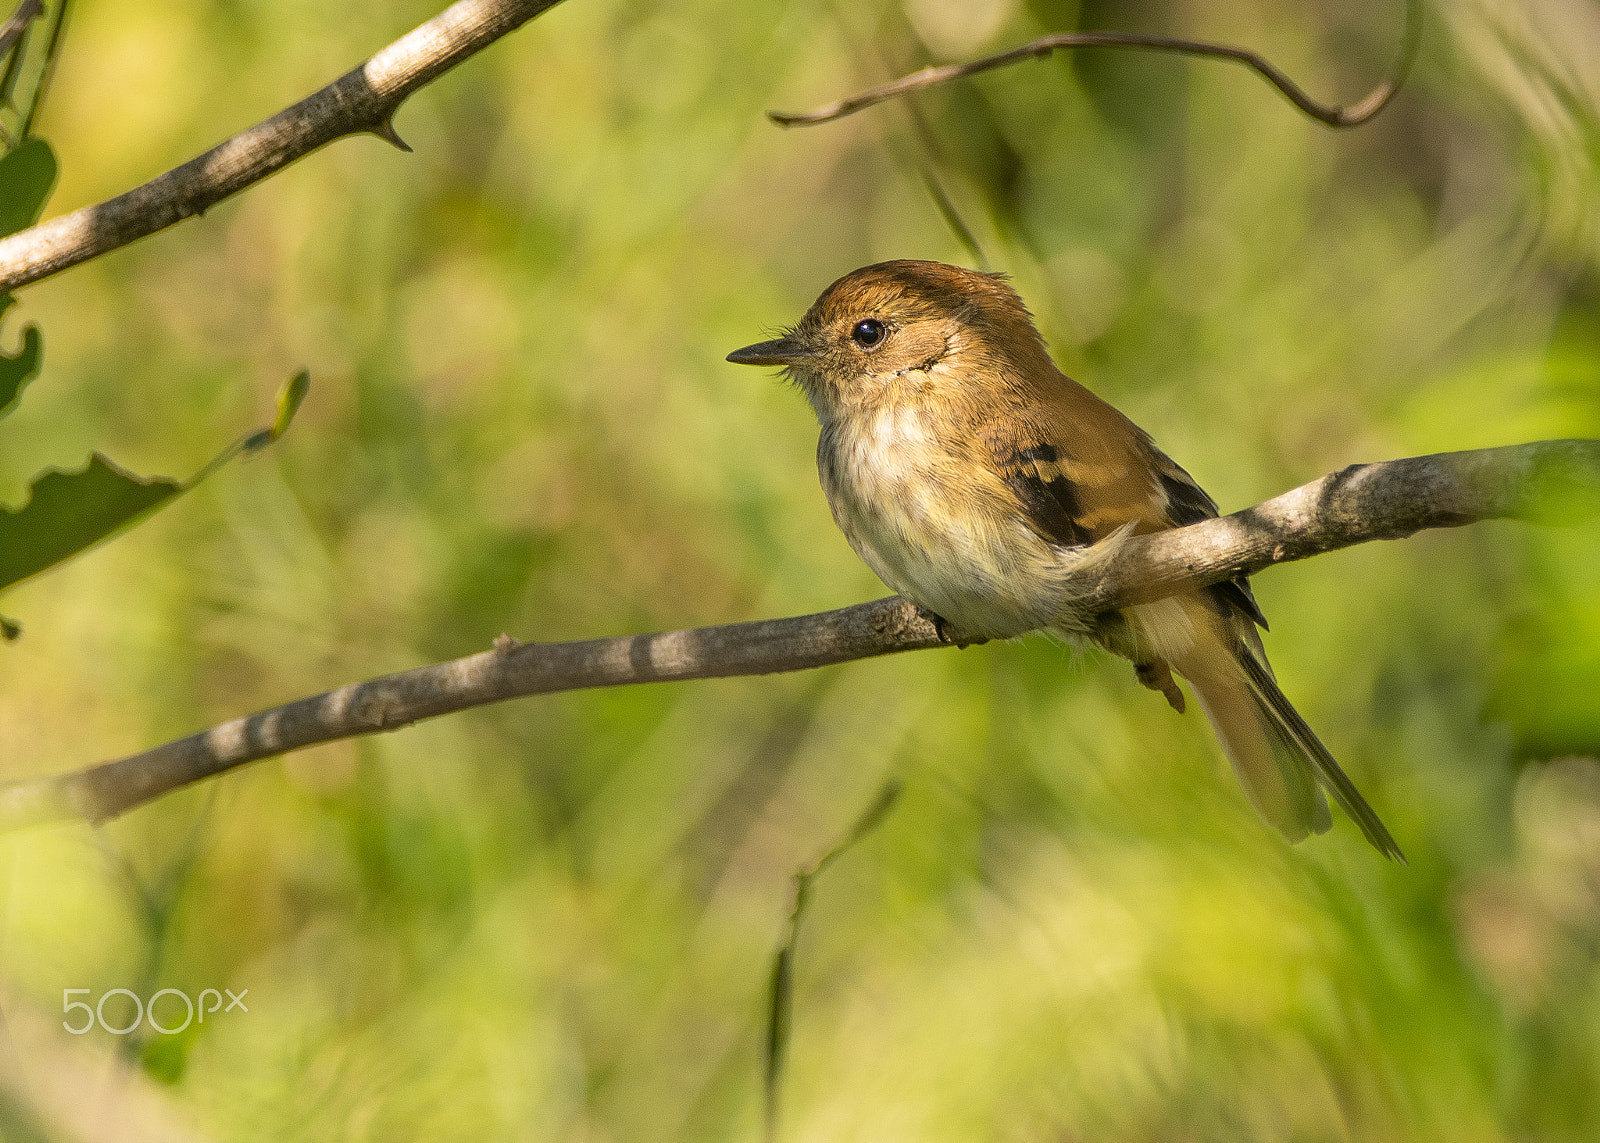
(289,398)
(15,372)
(69,511)
(27,175)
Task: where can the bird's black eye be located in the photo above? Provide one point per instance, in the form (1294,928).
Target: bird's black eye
(868,333)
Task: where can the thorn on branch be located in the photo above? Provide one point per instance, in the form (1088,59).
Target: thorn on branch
(361,101)
(385,131)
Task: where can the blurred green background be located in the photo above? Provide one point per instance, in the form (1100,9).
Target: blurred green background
(555,919)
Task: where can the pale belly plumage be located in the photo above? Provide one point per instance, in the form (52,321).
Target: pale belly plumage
(958,548)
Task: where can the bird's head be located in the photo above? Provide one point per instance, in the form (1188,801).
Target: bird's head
(906,323)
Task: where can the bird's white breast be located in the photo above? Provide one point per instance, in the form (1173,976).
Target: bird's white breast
(934,527)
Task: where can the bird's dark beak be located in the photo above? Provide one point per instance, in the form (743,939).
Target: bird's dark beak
(782,351)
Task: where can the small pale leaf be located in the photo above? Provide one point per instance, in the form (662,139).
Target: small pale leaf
(289,398)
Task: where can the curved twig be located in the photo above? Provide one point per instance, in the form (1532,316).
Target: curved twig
(1360,503)
(52,55)
(11,31)
(1324,113)
(361,101)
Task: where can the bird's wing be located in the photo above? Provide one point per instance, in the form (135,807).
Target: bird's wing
(1080,470)
(1049,499)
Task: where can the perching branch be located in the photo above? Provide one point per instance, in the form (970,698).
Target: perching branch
(1038,49)
(1382,501)
(361,101)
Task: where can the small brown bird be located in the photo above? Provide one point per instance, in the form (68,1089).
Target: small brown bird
(975,478)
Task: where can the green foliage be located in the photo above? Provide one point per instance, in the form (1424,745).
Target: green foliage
(27,176)
(17,369)
(289,399)
(556,919)
(68,511)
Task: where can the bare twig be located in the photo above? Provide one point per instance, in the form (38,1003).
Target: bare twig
(1382,501)
(14,46)
(780,995)
(52,53)
(1324,113)
(361,101)
(26,12)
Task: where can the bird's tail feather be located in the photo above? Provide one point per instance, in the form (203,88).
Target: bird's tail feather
(1282,764)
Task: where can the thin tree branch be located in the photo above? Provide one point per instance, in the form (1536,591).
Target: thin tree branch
(26,12)
(361,101)
(1364,502)
(1547,482)
(780,997)
(52,53)
(1324,113)
(13,46)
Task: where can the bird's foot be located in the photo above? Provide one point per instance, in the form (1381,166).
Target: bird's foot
(1158,677)
(947,633)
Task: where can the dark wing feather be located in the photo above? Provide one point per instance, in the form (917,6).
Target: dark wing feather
(1046,495)
(1188,503)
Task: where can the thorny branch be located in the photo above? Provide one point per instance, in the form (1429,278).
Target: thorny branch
(1381,501)
(1324,113)
(361,101)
